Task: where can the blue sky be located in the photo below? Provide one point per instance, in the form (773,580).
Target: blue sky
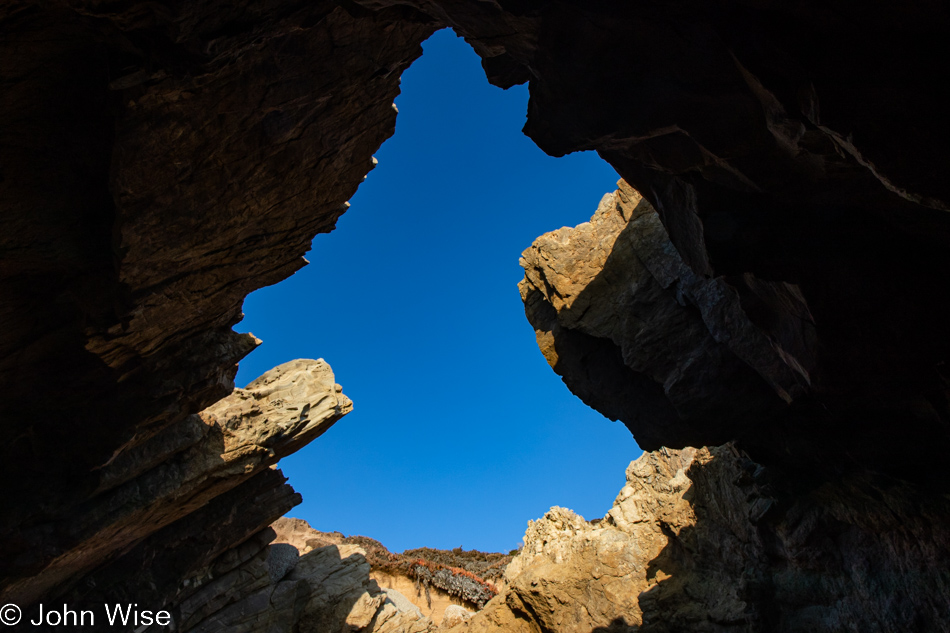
(460,432)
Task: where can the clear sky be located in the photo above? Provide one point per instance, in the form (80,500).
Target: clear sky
(460,431)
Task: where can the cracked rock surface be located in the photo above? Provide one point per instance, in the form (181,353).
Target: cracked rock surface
(189,491)
(697,541)
(162,160)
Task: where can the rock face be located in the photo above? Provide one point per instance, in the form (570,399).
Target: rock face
(684,359)
(709,539)
(162,160)
(636,334)
(326,590)
(292,578)
(432,580)
(199,489)
(695,541)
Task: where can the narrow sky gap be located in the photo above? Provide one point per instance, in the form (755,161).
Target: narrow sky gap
(461,432)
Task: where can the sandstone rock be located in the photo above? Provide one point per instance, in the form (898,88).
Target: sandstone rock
(299,534)
(454,614)
(162,160)
(297,402)
(684,548)
(328,590)
(123,280)
(682,340)
(364,611)
(426,580)
(239,438)
(401,602)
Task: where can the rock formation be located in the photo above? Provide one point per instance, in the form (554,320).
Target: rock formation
(774,144)
(696,542)
(291,577)
(162,160)
(636,334)
(705,539)
(433,580)
(326,590)
(198,490)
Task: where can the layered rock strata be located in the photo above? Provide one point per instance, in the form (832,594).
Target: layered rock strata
(292,578)
(729,544)
(159,163)
(433,580)
(683,358)
(326,590)
(189,505)
(695,541)
(162,160)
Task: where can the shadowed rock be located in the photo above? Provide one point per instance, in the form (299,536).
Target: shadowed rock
(689,364)
(162,160)
(697,541)
(161,482)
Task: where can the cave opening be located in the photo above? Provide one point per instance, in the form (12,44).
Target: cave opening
(460,431)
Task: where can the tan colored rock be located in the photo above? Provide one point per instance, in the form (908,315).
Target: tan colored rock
(299,400)
(299,534)
(432,602)
(454,614)
(363,612)
(640,337)
(430,591)
(576,576)
(223,447)
(341,596)
(697,541)
(328,590)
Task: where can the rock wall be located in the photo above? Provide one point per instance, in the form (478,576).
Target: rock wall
(162,160)
(293,578)
(708,539)
(690,359)
(695,541)
(432,580)
(326,590)
(185,508)
(773,141)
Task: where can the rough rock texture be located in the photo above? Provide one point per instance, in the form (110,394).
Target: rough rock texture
(695,541)
(161,160)
(845,545)
(454,614)
(326,590)
(291,578)
(782,145)
(197,490)
(431,579)
(691,364)
(683,358)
